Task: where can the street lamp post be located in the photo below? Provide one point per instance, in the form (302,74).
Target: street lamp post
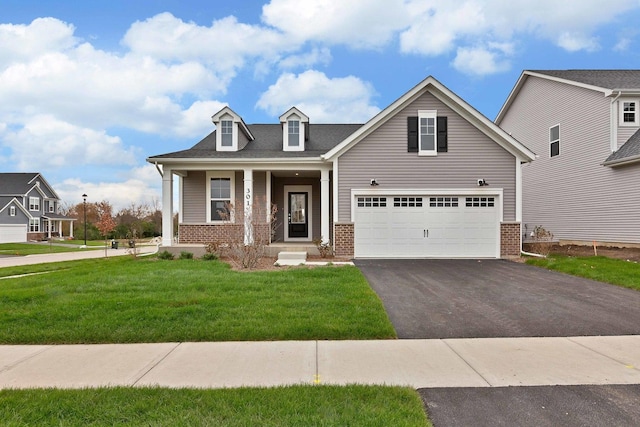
(84,204)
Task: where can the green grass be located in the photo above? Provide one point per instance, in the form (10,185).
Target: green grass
(122,300)
(608,270)
(284,406)
(35,248)
(81,242)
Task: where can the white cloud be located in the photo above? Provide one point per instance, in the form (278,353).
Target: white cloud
(361,24)
(573,42)
(141,185)
(483,60)
(316,56)
(337,100)
(44,142)
(43,35)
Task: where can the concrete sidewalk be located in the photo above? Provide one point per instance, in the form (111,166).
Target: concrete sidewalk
(12,261)
(488,362)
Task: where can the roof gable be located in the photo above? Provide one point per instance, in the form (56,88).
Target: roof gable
(607,82)
(453,101)
(20,184)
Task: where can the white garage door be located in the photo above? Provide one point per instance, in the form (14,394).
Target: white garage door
(426,226)
(13,233)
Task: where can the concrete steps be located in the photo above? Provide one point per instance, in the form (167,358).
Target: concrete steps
(291,258)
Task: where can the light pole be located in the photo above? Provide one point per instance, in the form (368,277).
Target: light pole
(84,203)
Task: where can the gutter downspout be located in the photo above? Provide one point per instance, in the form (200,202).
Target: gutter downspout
(158,168)
(613,144)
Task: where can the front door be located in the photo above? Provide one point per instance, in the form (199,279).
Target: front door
(298,214)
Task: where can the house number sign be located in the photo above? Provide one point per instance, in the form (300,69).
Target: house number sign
(248,197)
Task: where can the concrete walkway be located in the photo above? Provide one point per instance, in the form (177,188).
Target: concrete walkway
(12,261)
(487,362)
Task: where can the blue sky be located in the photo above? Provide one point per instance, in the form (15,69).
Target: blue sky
(90,89)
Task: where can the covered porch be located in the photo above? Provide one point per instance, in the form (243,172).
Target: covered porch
(52,225)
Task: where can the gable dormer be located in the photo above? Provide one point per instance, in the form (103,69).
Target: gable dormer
(229,126)
(295,125)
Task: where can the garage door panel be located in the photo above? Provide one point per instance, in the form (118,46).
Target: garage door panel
(13,233)
(422,226)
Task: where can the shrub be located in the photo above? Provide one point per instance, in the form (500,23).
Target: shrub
(210,256)
(541,241)
(165,255)
(325,249)
(186,255)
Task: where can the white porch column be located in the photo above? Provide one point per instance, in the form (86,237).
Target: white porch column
(248,206)
(60,229)
(49,227)
(167,207)
(71,229)
(324,205)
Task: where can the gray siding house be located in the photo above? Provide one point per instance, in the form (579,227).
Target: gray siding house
(428,176)
(584,126)
(29,209)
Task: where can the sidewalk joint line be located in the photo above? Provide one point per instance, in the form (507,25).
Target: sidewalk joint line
(600,353)
(24,359)
(145,373)
(467,363)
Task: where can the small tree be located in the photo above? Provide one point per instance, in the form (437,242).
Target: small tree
(106,224)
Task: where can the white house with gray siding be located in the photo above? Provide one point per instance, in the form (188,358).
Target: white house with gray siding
(428,176)
(584,126)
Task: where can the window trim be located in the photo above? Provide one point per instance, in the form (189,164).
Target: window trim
(290,124)
(230,175)
(551,142)
(226,128)
(34,204)
(636,121)
(12,211)
(428,114)
(34,225)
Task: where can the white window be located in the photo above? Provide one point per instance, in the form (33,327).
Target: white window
(34,225)
(629,113)
(52,207)
(226,131)
(554,141)
(34,203)
(294,133)
(427,132)
(12,211)
(220,193)
(372,202)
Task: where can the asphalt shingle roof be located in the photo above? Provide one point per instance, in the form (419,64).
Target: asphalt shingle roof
(15,184)
(629,150)
(608,79)
(268,143)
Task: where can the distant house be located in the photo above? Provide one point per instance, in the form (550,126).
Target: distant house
(584,126)
(428,176)
(29,209)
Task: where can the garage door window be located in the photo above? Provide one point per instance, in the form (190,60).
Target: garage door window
(443,202)
(372,202)
(480,202)
(407,202)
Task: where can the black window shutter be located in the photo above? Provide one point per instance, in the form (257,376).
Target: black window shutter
(412,134)
(442,134)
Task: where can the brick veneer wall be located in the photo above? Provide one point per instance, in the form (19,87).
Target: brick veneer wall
(509,239)
(343,236)
(207,233)
(35,236)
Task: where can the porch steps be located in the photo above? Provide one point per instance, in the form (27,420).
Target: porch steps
(291,258)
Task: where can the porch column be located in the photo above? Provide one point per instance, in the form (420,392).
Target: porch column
(324,205)
(167,207)
(71,230)
(60,229)
(270,220)
(49,227)
(248,206)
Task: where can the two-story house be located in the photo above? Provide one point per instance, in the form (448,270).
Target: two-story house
(429,176)
(29,209)
(584,126)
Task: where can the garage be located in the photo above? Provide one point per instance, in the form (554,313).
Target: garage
(13,233)
(427,226)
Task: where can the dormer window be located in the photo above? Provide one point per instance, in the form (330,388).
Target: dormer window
(226,131)
(295,125)
(294,133)
(232,134)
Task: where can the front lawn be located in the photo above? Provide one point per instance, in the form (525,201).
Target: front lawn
(37,248)
(123,300)
(615,271)
(283,406)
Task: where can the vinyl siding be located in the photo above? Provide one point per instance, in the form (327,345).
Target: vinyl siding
(194,191)
(624,133)
(573,195)
(383,155)
(20,217)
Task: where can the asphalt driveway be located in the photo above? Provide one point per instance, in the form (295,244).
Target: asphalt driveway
(430,299)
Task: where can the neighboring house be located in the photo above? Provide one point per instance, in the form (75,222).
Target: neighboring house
(583,126)
(428,176)
(29,208)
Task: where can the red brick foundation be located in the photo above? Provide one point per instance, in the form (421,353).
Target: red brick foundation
(509,239)
(343,239)
(207,233)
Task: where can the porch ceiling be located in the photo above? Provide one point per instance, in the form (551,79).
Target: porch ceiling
(296,174)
